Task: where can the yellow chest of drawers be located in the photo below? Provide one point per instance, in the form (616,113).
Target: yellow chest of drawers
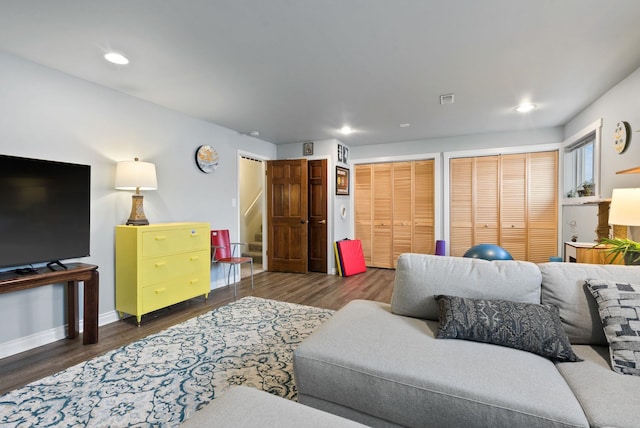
(160,265)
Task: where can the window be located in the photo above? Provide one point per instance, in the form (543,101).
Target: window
(582,164)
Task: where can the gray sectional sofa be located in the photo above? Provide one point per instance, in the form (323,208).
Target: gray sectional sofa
(382,364)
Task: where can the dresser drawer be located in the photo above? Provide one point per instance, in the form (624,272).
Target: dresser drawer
(167,293)
(165,268)
(170,241)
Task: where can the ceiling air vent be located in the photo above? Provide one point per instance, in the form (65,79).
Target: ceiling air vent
(446,99)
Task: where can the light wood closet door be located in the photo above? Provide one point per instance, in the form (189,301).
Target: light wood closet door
(513,206)
(382,248)
(509,200)
(460,205)
(542,206)
(394,210)
(402,241)
(486,196)
(363,208)
(423,183)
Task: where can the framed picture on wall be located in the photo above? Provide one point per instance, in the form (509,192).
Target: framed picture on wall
(339,152)
(342,181)
(345,154)
(307,148)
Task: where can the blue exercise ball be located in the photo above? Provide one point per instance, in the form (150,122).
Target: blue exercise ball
(488,252)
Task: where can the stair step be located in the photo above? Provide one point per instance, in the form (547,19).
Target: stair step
(255,255)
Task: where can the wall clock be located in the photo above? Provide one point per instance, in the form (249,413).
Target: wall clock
(207,159)
(621,136)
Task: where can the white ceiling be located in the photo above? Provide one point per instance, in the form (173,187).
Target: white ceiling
(296,70)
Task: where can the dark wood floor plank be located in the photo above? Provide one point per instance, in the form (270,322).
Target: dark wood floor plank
(312,289)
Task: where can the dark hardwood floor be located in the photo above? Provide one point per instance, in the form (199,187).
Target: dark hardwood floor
(313,289)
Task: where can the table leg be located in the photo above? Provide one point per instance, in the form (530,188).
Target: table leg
(72,309)
(91,307)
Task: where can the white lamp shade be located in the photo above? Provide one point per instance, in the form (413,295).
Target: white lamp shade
(625,207)
(132,175)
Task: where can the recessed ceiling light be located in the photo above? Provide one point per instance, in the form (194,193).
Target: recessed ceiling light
(254,133)
(116,58)
(525,108)
(346,130)
(405,125)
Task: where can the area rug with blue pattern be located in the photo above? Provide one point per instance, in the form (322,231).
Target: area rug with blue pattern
(164,378)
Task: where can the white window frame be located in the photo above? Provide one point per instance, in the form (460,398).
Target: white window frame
(573,164)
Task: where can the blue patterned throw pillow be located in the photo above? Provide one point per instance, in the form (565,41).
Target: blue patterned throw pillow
(525,326)
(619,308)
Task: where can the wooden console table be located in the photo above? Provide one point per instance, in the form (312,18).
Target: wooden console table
(75,272)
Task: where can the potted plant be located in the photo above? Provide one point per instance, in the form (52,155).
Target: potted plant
(615,247)
(586,188)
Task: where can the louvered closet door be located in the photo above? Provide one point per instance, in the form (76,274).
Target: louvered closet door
(542,206)
(486,200)
(394,210)
(402,209)
(460,205)
(513,205)
(423,207)
(363,208)
(382,249)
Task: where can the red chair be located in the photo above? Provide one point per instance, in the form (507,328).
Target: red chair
(222,252)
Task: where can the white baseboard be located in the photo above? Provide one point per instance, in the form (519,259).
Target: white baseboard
(26,343)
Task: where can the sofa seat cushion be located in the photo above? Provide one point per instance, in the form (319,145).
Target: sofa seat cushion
(563,285)
(370,361)
(608,399)
(421,277)
(244,407)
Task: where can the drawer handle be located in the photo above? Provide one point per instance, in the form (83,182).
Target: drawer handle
(194,258)
(160,290)
(194,281)
(160,238)
(161,264)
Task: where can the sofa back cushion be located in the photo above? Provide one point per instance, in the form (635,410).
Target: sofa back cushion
(421,277)
(563,285)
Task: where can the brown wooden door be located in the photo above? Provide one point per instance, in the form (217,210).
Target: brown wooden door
(287,220)
(318,215)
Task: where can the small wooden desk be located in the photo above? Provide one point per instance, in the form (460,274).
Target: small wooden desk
(75,272)
(584,252)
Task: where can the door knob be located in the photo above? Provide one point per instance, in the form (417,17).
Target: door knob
(323,222)
(303,221)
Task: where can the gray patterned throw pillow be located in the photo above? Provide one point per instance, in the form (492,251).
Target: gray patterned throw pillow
(525,326)
(619,308)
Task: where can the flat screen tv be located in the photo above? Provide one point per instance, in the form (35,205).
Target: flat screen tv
(44,211)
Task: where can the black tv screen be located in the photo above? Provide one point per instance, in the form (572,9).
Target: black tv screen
(44,211)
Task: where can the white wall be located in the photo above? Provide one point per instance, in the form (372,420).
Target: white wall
(620,103)
(50,115)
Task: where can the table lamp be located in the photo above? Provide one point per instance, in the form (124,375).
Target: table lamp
(136,175)
(625,208)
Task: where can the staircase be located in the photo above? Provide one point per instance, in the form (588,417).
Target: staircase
(254,249)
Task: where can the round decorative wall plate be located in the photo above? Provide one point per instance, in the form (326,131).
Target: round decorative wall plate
(621,136)
(207,159)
